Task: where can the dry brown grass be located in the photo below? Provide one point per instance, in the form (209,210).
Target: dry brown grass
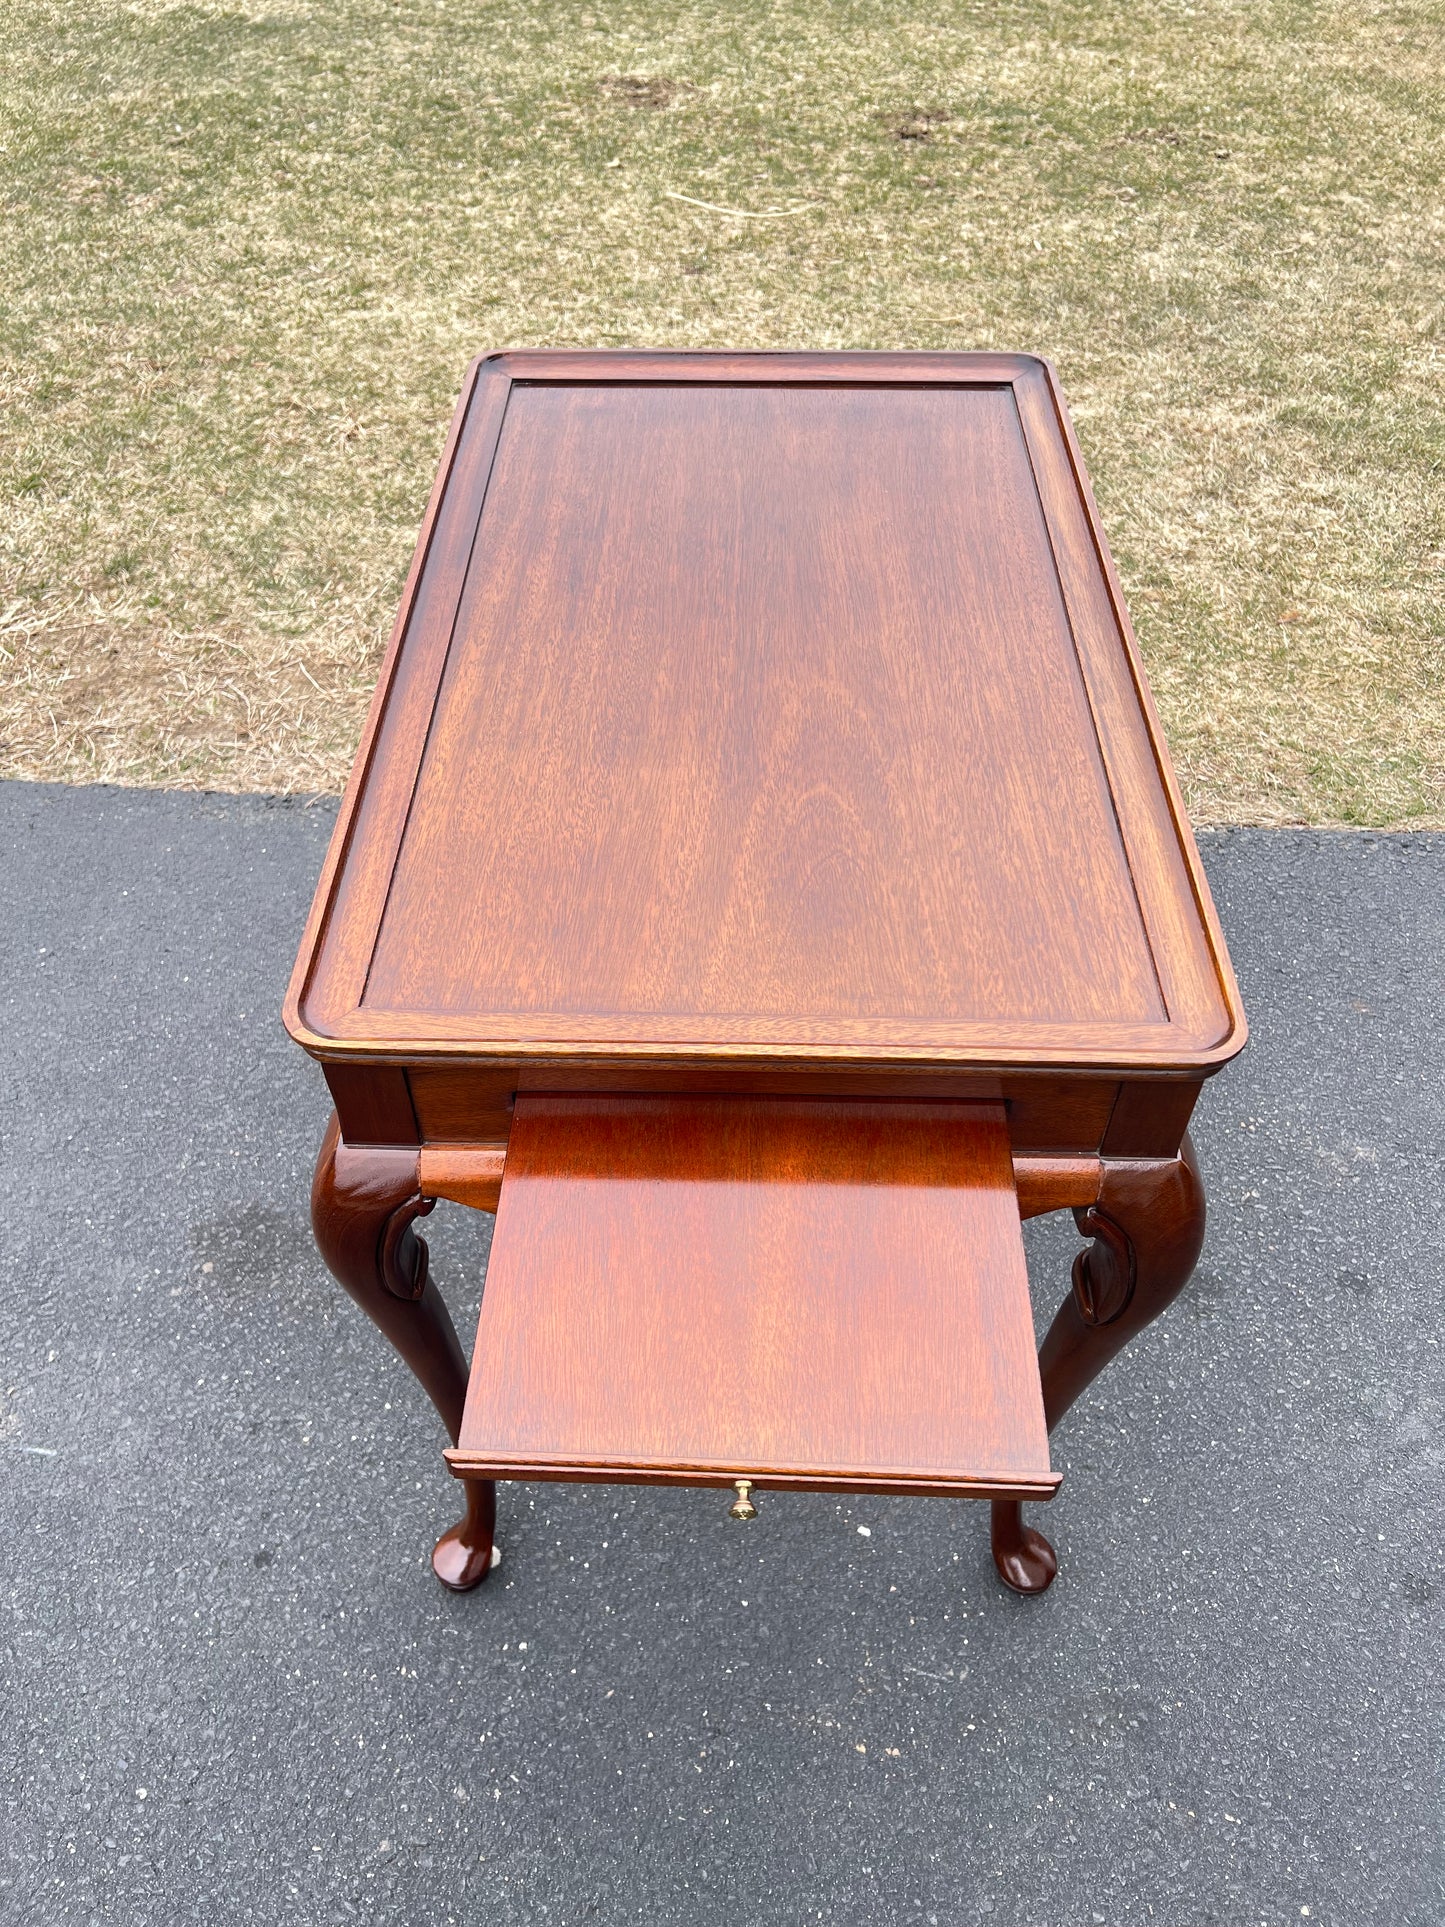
(249,249)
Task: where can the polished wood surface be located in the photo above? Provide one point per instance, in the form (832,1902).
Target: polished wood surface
(1146,1221)
(470,1103)
(696,1290)
(364,1204)
(762,882)
(773,706)
(776,775)
(465,1173)
(365,1201)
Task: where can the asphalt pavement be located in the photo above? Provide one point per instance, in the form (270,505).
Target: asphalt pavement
(231,1691)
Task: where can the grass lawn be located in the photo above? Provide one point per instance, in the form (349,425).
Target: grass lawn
(248,250)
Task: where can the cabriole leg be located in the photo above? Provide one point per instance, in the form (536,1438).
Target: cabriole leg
(1147,1226)
(364,1199)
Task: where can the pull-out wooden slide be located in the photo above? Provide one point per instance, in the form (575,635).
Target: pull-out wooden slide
(698,1290)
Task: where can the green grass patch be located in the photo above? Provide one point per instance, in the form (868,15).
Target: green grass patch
(249,250)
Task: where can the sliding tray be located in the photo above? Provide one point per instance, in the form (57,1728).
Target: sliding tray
(699,1290)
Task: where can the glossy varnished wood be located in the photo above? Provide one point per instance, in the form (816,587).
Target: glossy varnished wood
(694,1290)
(763,882)
(1146,1223)
(776,773)
(765,706)
(472,1103)
(365,1200)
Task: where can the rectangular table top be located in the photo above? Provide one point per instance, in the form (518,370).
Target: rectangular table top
(807,1294)
(765,707)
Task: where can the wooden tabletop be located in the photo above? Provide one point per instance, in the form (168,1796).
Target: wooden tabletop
(764,706)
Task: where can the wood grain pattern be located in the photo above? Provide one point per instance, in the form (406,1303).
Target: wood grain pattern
(472,1103)
(468,1174)
(766,706)
(1149,1118)
(1043,1184)
(808,1294)
(762,829)
(373,1103)
(746,767)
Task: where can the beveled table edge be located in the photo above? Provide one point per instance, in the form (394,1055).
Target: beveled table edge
(469,1464)
(943,367)
(1179,1062)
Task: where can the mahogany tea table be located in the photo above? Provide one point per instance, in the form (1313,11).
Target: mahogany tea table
(762,884)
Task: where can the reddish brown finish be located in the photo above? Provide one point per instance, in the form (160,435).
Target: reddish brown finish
(803,867)
(1122,1282)
(764,727)
(1063,1114)
(364,1200)
(466,1104)
(373,1104)
(463,1556)
(1149,1118)
(696,1290)
(1148,1228)
(463,1103)
(1055,1184)
(772,658)
(465,1173)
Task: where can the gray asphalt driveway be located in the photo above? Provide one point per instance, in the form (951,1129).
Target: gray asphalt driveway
(230,1690)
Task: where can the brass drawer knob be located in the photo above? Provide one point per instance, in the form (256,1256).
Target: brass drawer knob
(742,1506)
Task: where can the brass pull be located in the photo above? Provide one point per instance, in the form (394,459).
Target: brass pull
(742,1506)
